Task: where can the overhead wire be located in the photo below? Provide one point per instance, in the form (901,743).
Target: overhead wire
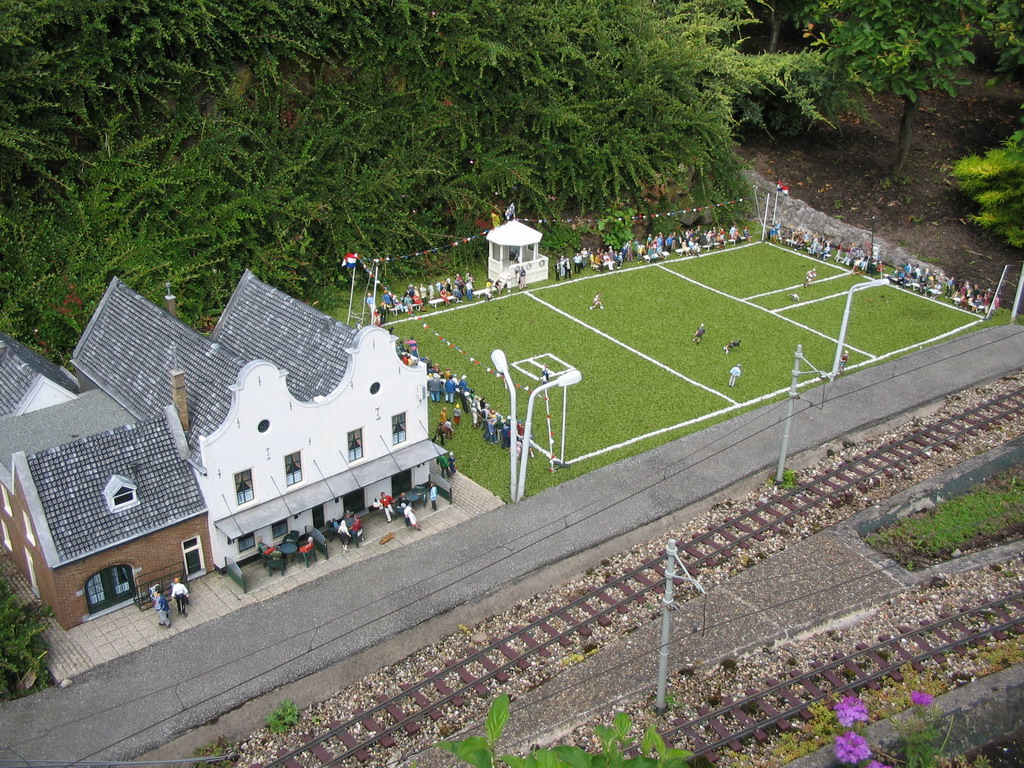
(564,522)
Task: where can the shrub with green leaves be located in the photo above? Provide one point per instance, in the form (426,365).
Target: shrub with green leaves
(996,183)
(284,717)
(22,648)
(479,751)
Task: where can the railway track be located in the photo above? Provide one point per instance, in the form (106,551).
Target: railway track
(782,701)
(368,733)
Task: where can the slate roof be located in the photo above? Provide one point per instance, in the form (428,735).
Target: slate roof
(89,413)
(263,323)
(19,369)
(129,347)
(70,480)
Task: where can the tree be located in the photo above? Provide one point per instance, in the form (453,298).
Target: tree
(996,183)
(652,752)
(903,47)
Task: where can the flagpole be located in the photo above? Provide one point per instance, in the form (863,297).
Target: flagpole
(373,306)
(351,293)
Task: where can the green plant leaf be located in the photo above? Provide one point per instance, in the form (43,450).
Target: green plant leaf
(497,717)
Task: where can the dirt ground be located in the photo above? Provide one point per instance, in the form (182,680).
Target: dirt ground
(845,171)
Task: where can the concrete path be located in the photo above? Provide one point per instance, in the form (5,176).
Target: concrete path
(138,701)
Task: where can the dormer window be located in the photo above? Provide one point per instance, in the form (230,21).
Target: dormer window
(121,493)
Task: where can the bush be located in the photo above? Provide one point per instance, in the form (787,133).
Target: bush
(22,648)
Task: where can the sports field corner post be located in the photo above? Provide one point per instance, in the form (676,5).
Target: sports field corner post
(501,366)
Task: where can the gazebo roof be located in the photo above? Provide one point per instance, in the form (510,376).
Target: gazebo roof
(513,233)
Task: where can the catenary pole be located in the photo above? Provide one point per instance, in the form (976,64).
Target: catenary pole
(793,394)
(666,625)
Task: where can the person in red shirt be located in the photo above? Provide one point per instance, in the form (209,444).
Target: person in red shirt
(388,503)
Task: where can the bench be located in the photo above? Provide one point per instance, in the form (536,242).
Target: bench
(485,292)
(435,302)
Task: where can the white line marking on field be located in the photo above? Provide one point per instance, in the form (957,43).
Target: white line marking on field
(636,352)
(798,287)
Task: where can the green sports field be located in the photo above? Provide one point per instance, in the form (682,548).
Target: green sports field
(645,381)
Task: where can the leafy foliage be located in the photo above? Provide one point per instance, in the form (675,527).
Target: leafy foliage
(996,183)
(284,717)
(170,142)
(903,47)
(22,648)
(479,751)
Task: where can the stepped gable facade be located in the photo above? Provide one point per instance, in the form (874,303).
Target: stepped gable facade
(280,420)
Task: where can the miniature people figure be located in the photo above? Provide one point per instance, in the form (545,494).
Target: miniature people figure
(698,334)
(734,374)
(162,607)
(843,360)
(180,594)
(433,496)
(734,344)
(596,302)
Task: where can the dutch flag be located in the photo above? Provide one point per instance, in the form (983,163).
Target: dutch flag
(780,187)
(351,259)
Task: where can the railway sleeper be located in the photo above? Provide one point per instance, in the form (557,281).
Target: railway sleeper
(319,751)
(289,762)
(442,687)
(513,655)
(487,663)
(595,614)
(357,750)
(769,711)
(533,645)
(422,701)
(399,715)
(371,724)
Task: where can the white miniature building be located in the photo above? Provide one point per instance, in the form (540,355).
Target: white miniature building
(514,246)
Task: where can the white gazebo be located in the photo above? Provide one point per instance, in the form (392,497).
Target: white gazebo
(515,246)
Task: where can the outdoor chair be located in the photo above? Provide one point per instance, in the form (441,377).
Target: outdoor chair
(275,564)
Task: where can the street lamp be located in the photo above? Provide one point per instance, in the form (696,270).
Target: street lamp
(501,366)
(566,379)
(846,318)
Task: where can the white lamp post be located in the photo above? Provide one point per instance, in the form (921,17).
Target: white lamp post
(566,379)
(501,366)
(846,318)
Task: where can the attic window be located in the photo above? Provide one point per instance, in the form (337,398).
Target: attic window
(121,493)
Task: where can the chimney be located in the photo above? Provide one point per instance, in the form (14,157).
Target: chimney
(179,397)
(172,305)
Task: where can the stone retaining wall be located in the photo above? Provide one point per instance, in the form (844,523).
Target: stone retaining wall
(799,216)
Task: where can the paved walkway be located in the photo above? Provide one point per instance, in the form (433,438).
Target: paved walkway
(129,629)
(146,698)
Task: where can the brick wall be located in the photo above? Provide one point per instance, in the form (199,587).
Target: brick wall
(63,589)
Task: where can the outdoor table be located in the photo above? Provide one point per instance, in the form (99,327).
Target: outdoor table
(288,548)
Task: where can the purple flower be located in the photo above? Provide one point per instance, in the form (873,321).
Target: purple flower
(876,764)
(920,699)
(851,710)
(851,748)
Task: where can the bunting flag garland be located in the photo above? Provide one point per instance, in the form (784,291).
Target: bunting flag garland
(570,221)
(452,345)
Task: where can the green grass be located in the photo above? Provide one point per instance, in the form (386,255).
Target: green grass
(993,510)
(644,381)
(820,289)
